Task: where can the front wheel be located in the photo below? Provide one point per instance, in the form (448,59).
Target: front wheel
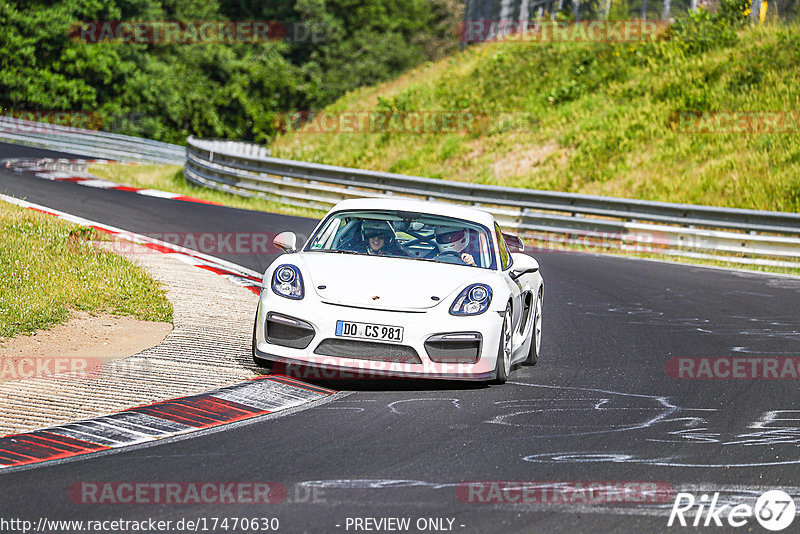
(536,332)
(503,366)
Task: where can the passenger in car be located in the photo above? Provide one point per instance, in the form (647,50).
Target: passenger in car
(380,239)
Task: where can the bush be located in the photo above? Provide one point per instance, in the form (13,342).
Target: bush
(699,30)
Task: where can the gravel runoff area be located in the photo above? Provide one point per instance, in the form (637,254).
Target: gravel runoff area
(208,348)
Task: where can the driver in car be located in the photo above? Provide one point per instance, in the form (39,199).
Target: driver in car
(452,242)
(380,239)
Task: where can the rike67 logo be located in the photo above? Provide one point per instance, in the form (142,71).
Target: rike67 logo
(774,510)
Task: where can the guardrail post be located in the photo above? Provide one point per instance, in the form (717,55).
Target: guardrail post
(755,11)
(666,10)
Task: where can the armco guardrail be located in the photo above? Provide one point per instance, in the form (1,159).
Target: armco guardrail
(680,229)
(90,143)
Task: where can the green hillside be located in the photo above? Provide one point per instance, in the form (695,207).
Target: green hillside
(600,118)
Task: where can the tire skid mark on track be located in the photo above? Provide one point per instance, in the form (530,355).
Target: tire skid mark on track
(260,396)
(39,167)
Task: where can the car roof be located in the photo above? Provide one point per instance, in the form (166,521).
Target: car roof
(433,208)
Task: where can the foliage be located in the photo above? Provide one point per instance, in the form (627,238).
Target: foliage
(232,90)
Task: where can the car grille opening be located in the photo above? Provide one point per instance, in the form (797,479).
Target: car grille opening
(457,347)
(287,331)
(367,350)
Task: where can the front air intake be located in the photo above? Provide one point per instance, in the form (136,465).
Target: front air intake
(457,347)
(365,350)
(287,331)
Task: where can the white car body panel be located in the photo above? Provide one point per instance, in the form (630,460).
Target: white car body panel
(382,277)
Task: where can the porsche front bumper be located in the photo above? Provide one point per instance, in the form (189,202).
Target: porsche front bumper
(435,344)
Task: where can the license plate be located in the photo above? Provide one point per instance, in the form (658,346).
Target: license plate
(378,332)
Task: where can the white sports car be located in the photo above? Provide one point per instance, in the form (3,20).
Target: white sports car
(392,288)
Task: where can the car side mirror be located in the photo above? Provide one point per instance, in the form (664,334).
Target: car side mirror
(523,264)
(514,243)
(286,241)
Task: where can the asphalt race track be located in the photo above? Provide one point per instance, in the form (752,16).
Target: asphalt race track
(599,407)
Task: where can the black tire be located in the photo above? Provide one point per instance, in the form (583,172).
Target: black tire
(261,362)
(500,371)
(536,333)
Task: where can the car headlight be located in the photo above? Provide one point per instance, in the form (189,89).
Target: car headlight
(287,282)
(474,300)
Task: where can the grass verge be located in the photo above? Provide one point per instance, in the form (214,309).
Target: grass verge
(49,267)
(651,120)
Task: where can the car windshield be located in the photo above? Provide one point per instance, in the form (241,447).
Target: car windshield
(415,236)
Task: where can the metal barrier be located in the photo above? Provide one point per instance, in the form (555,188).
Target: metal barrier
(678,229)
(769,238)
(90,143)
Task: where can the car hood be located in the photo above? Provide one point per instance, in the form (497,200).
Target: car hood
(396,282)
